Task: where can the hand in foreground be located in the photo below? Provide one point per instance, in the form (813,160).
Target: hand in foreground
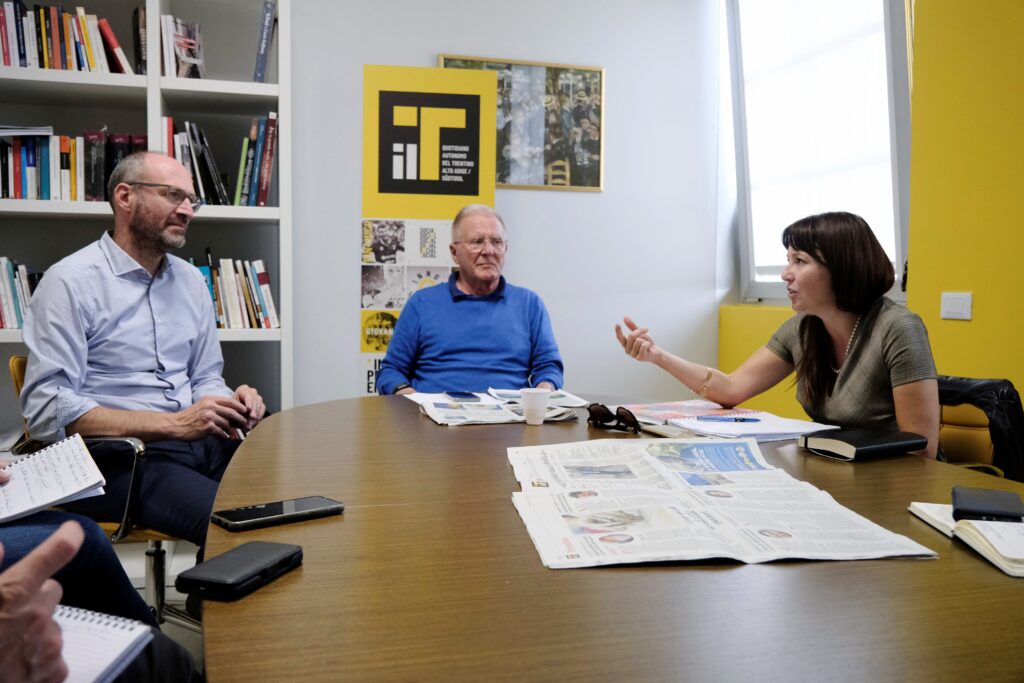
(211,416)
(253,403)
(638,343)
(30,641)
(546,385)
(4,476)
(406,390)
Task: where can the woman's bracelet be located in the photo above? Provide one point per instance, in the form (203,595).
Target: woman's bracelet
(703,391)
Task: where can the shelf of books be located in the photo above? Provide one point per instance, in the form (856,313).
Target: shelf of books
(196,79)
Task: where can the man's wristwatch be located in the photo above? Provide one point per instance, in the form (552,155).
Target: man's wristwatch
(403,385)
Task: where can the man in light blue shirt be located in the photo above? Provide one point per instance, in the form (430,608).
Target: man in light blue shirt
(122,342)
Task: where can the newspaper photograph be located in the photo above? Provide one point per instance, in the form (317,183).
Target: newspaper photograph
(622,501)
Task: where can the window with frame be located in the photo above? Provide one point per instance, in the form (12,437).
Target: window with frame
(821,112)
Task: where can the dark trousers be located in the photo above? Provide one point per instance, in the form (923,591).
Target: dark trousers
(174,487)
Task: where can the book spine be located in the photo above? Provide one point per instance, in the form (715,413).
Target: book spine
(83,27)
(254,183)
(197,172)
(213,287)
(55,190)
(232,304)
(116,55)
(33,45)
(79,168)
(139,37)
(268,295)
(167,127)
(65,168)
(263,43)
(43,162)
(241,171)
(53,31)
(99,55)
(10,321)
(167,43)
(29,176)
(19,34)
(118,147)
(211,165)
(257,294)
(243,285)
(267,163)
(95,166)
(67,41)
(80,56)
(250,155)
(16,166)
(5,44)
(12,289)
(139,143)
(4,186)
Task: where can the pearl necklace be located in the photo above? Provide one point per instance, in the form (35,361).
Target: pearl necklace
(849,343)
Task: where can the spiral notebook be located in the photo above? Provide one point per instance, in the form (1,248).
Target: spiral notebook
(59,473)
(97,647)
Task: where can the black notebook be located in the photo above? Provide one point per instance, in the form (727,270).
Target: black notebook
(861,444)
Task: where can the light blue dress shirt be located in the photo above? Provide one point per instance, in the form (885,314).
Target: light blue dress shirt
(101,331)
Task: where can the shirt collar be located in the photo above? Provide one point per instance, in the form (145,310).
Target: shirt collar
(121,263)
(458,295)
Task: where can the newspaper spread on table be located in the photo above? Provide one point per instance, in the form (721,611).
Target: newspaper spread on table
(617,501)
(487,410)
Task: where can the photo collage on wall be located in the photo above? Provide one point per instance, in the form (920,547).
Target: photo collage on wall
(399,258)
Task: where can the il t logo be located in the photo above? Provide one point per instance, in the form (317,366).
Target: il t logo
(422,161)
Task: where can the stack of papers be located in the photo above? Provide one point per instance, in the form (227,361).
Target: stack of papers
(710,419)
(488,410)
(1001,543)
(618,501)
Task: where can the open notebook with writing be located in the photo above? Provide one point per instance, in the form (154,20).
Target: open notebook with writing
(59,473)
(97,647)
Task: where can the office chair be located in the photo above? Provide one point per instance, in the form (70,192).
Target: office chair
(123,531)
(982,420)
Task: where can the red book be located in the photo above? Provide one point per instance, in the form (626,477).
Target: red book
(267,162)
(16,166)
(115,55)
(57,58)
(4,42)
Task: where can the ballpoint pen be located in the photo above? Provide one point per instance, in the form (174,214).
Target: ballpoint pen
(726,418)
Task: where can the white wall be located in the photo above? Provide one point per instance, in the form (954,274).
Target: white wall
(646,246)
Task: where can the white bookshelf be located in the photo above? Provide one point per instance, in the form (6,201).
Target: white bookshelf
(38,232)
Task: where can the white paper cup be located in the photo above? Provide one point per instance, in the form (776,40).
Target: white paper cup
(535,405)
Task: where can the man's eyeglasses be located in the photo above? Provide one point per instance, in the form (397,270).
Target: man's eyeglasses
(478,244)
(175,195)
(601,416)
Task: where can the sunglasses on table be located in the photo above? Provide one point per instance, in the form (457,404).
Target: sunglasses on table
(602,417)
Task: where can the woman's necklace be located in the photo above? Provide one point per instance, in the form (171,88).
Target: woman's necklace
(849,343)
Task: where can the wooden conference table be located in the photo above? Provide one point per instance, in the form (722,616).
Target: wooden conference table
(430,574)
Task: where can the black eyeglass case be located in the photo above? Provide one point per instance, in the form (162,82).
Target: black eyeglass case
(239,571)
(987,504)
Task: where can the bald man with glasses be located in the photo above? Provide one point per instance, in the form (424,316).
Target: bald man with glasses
(122,342)
(476,332)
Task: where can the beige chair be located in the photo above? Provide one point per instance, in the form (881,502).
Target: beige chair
(965,438)
(123,531)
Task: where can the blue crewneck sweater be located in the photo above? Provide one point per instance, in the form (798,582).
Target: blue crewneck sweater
(448,340)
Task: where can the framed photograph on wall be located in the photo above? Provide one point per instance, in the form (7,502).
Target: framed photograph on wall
(550,123)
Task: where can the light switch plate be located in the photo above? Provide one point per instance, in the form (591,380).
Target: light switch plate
(956,306)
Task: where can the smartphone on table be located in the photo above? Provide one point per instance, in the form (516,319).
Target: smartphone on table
(462,396)
(278,512)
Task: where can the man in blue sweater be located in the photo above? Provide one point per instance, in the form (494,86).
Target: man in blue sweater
(477,331)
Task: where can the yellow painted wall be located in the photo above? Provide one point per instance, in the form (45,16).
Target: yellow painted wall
(966,197)
(967,182)
(741,331)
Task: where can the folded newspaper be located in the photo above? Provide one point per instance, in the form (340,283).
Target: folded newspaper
(487,410)
(618,501)
(559,397)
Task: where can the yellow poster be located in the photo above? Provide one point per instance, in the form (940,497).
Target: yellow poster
(376,328)
(423,152)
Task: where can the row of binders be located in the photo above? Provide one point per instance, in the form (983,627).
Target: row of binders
(241,293)
(51,38)
(17,282)
(36,164)
(255,168)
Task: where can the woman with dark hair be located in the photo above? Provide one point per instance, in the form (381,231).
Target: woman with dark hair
(861,359)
